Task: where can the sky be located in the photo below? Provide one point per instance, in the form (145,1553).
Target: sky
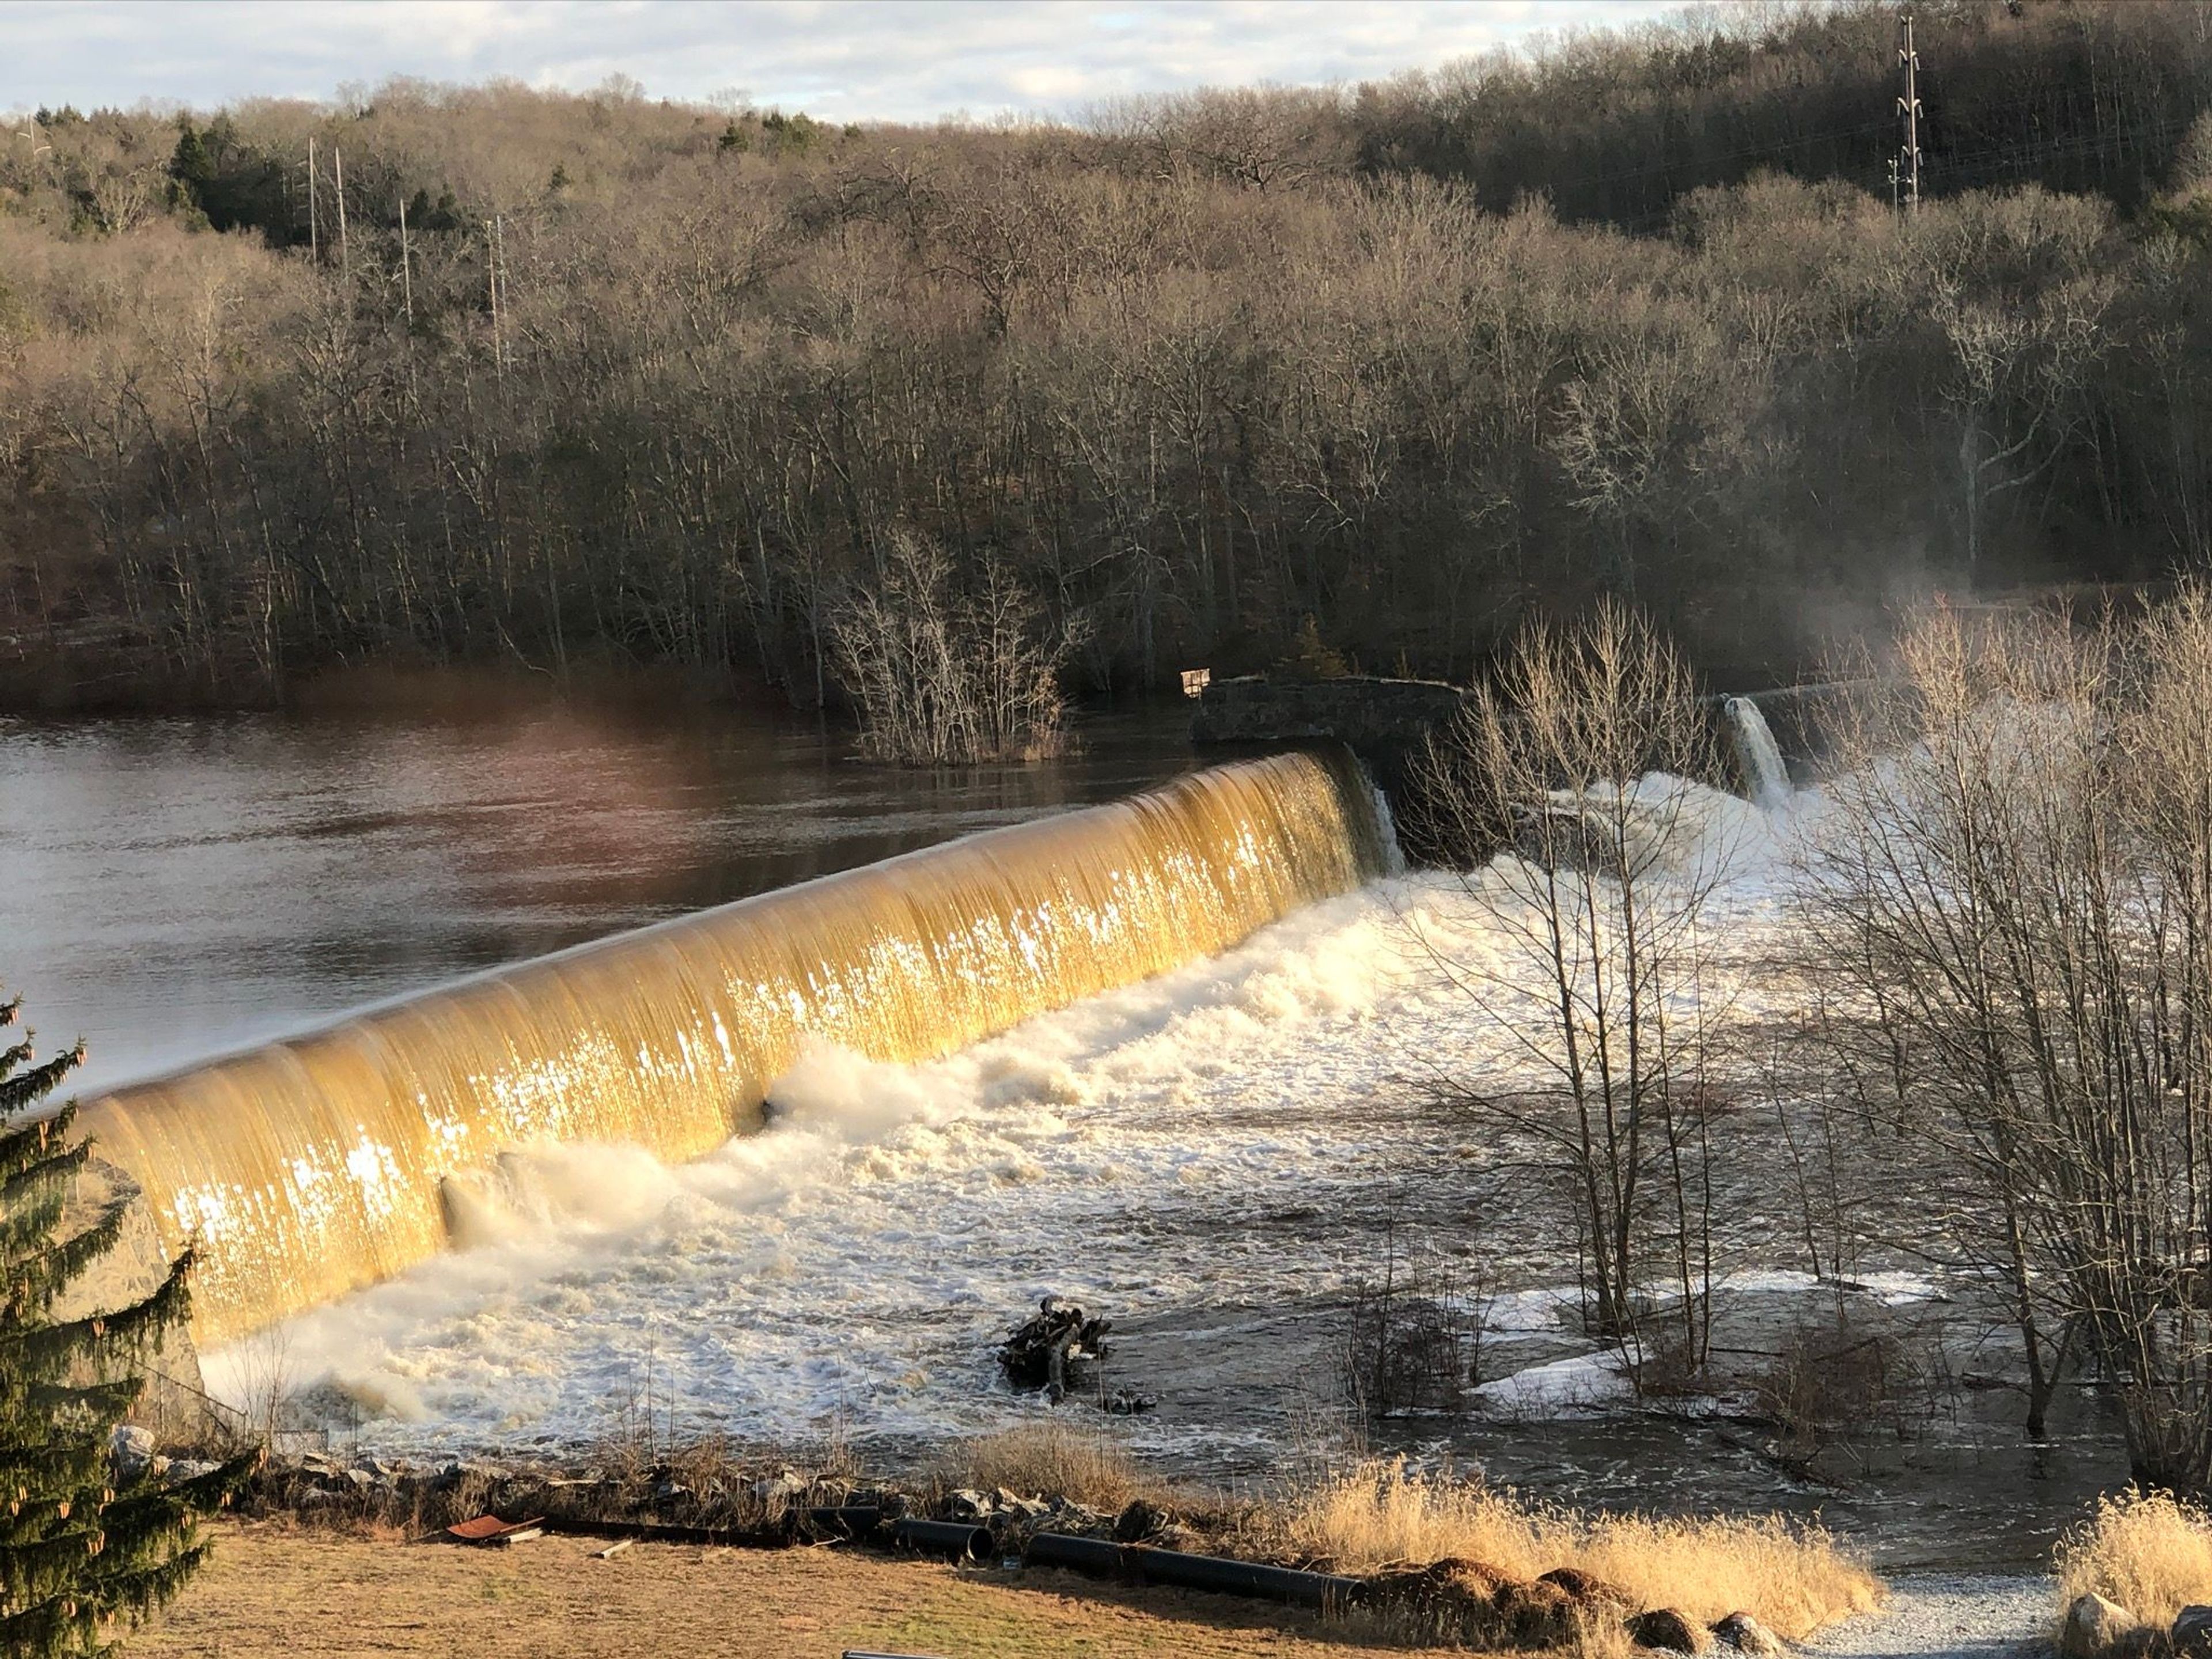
(846,60)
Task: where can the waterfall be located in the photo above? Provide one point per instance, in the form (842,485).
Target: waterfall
(1760,757)
(317,1165)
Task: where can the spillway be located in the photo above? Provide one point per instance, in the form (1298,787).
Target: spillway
(311,1167)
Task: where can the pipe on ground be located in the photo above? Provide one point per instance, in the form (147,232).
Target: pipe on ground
(1145,1565)
(956,1541)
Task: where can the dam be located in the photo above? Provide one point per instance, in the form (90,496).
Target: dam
(309,1168)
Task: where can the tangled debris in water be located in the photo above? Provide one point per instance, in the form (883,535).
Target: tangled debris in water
(1044,1349)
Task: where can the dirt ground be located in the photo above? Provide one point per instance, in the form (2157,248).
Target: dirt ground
(274,1589)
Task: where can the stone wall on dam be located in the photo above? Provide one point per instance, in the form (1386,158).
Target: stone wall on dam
(1386,722)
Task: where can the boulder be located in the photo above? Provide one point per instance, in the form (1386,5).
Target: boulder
(1665,1628)
(1539,1615)
(2092,1627)
(131,1449)
(786,1488)
(1587,1587)
(1460,1601)
(1141,1522)
(1745,1634)
(2192,1627)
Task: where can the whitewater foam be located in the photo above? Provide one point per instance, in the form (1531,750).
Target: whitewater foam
(1208,1150)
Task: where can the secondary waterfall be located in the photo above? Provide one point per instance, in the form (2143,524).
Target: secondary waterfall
(1756,752)
(314,1166)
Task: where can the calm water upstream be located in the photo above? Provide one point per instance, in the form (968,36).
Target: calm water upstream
(180,887)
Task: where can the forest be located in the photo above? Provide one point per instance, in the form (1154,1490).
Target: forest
(1238,378)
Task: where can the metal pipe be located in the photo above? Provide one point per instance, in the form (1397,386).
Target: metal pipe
(1146,1565)
(845,1520)
(956,1540)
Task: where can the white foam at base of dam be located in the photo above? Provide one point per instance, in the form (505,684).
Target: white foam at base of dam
(851,1268)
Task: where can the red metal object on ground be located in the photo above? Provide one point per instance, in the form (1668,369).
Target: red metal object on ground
(490,1530)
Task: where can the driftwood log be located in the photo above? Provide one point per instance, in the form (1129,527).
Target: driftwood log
(1044,1349)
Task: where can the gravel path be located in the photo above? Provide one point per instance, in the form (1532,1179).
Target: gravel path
(1933,1616)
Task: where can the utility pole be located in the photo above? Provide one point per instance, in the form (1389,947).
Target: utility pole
(345,252)
(315,230)
(406,275)
(494,246)
(1908,159)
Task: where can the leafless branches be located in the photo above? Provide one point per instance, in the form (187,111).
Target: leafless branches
(1585,759)
(946,675)
(2016,886)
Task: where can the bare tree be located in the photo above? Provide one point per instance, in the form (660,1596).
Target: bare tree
(2015,887)
(943,676)
(1583,762)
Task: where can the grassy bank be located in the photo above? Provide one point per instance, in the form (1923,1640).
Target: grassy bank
(277,1590)
(1436,1557)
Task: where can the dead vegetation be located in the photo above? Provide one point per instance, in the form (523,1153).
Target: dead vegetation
(1050,1459)
(2148,1552)
(1379,1517)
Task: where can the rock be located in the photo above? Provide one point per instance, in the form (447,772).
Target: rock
(785,1488)
(1665,1628)
(1460,1601)
(130,1449)
(2094,1627)
(966,1503)
(1745,1634)
(2193,1628)
(460,1469)
(1587,1587)
(1538,1614)
(1140,1522)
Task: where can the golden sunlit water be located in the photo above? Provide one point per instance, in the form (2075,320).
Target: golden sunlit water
(311,1167)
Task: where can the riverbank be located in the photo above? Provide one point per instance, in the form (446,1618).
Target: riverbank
(278,1591)
(381,1596)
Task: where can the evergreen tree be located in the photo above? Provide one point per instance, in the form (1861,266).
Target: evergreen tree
(190,165)
(76,1553)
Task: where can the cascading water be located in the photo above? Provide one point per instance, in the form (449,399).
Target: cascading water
(314,1166)
(1760,757)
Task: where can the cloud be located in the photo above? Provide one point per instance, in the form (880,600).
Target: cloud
(850,61)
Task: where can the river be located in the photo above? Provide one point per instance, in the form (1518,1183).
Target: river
(1218,1158)
(180,887)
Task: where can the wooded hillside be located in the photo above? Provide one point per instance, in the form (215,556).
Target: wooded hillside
(654,382)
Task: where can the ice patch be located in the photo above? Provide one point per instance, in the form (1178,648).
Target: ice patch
(1564,1387)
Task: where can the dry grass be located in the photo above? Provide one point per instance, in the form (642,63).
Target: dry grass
(1792,1577)
(2148,1552)
(1054,1459)
(276,1592)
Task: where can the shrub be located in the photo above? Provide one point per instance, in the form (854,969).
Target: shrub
(2149,1552)
(1792,1577)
